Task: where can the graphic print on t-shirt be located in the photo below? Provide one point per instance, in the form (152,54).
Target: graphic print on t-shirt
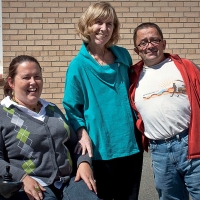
(162,101)
(176,88)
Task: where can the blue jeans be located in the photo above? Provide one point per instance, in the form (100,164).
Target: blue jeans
(78,191)
(71,191)
(175,176)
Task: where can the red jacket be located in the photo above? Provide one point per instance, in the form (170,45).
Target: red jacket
(191,78)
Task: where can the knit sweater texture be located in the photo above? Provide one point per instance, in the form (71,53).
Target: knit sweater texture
(38,148)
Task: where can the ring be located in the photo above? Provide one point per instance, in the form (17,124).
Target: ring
(37,188)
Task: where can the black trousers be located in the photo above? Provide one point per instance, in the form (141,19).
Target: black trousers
(119,178)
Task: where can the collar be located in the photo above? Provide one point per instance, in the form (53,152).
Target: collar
(7,102)
(120,57)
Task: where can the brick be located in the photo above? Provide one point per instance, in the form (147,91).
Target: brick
(50,4)
(50,26)
(161,14)
(53,85)
(147,14)
(35,21)
(193,9)
(17,4)
(18,48)
(17,15)
(31,4)
(43,42)
(67,15)
(71,4)
(74,9)
(10,10)
(59,31)
(42,32)
(191,4)
(53,80)
(145,4)
(191,14)
(58,10)
(192,35)
(34,37)
(67,37)
(59,95)
(49,37)
(53,90)
(34,26)
(27,10)
(50,69)
(42,10)
(176,14)
(176,4)
(35,48)
(49,15)
(49,48)
(59,64)
(46,30)
(17,26)
(26,43)
(182,9)
(9,42)
(47,96)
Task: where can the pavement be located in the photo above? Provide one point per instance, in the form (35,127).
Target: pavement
(147,188)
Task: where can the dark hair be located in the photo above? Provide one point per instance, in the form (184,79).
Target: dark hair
(99,10)
(146,25)
(13,68)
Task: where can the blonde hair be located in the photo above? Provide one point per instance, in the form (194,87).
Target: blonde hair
(99,10)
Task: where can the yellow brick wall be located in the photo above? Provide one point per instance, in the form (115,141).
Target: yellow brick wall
(46,29)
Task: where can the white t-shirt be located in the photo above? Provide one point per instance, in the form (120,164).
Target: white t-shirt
(162,101)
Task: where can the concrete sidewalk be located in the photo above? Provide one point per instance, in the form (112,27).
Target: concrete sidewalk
(147,188)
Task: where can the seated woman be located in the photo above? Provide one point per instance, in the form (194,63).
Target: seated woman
(36,141)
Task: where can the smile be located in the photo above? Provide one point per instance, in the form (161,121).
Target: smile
(101,35)
(32,90)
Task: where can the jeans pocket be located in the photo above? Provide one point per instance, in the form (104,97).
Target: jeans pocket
(152,146)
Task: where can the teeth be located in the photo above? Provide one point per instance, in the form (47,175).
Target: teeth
(102,35)
(32,90)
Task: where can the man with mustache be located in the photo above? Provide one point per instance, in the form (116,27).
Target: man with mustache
(169,123)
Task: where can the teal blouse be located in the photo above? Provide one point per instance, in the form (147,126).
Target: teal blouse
(96,97)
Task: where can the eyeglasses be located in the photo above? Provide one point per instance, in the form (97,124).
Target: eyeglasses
(153,41)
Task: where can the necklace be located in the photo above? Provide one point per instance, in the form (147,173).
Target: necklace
(36,108)
(95,57)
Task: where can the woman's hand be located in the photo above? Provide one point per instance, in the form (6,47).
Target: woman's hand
(32,188)
(84,143)
(85,172)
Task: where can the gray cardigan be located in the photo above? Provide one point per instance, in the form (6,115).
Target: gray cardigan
(37,148)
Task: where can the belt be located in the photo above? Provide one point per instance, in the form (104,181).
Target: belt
(173,138)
